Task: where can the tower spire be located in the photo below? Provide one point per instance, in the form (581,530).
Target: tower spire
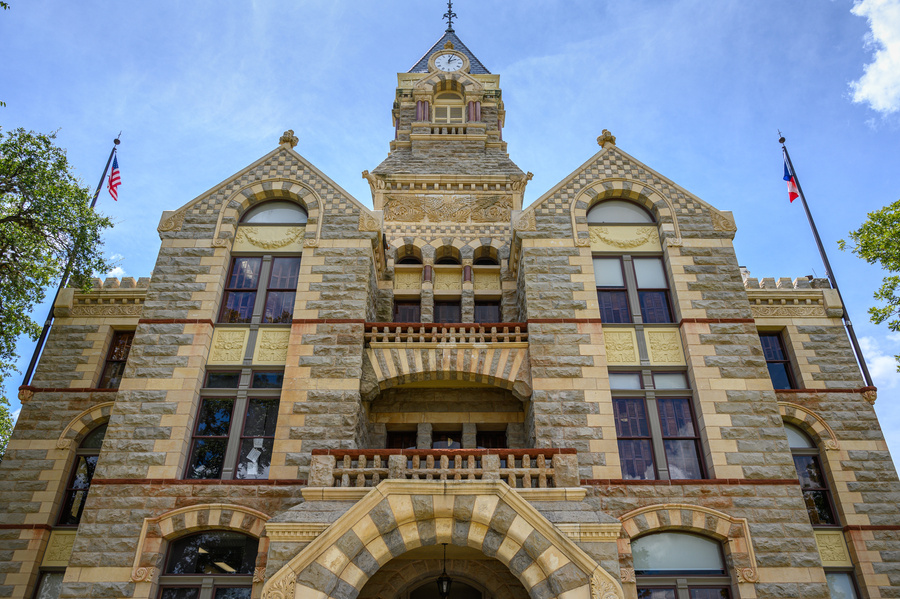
(449,15)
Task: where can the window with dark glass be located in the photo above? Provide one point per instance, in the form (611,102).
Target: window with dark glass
(487,311)
(234,431)
(282,290)
(210,565)
(676,565)
(777,361)
(401,440)
(447,312)
(666,447)
(80,480)
(652,289)
(240,290)
(407,311)
(490,439)
(611,291)
(813,481)
(116,358)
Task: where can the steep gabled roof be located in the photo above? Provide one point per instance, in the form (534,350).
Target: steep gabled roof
(450,36)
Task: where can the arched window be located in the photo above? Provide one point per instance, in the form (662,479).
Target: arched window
(812,477)
(618,212)
(210,565)
(275,212)
(80,480)
(448,108)
(631,283)
(678,565)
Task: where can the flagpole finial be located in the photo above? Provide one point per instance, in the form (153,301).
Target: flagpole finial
(780,137)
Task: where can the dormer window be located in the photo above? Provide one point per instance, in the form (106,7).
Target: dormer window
(448,109)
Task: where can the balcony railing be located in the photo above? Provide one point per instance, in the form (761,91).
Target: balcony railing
(519,468)
(417,332)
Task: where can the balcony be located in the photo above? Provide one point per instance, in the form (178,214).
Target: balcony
(519,468)
(442,333)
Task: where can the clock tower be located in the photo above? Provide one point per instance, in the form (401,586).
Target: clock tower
(448,174)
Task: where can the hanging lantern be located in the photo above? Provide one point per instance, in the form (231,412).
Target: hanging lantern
(443,580)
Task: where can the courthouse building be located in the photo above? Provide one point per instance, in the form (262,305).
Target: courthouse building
(583,398)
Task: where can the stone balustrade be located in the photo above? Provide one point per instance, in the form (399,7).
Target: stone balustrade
(519,468)
(508,332)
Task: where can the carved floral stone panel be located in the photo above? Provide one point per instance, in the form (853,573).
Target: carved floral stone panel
(832,548)
(269,238)
(619,238)
(448,208)
(272,346)
(664,346)
(228,346)
(408,279)
(59,548)
(621,346)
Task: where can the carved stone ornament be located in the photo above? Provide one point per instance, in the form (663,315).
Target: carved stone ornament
(25,395)
(627,574)
(228,346)
(518,182)
(144,574)
(106,310)
(281,589)
(763,310)
(408,280)
(870,395)
(606,138)
(367,222)
(665,347)
(448,208)
(374,181)
(259,574)
(620,237)
(602,588)
(722,223)
(311,243)
(832,547)
(620,347)
(252,236)
(173,223)
(273,346)
(59,548)
(750,575)
(526,222)
(288,137)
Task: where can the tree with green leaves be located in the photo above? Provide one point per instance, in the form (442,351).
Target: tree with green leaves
(877,241)
(48,232)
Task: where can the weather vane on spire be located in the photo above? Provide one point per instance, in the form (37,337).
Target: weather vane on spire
(450,15)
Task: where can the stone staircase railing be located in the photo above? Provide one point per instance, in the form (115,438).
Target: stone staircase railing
(417,332)
(520,468)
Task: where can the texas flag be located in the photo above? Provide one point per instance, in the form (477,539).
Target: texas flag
(793,192)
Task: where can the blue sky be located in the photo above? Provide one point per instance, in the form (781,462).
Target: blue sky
(696,90)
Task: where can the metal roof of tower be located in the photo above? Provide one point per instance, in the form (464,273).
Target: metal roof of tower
(450,36)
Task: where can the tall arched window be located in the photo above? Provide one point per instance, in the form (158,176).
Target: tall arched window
(678,565)
(273,276)
(631,277)
(80,480)
(812,477)
(210,565)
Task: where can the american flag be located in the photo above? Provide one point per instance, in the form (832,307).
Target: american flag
(114,179)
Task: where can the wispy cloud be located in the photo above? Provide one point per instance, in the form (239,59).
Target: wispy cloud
(117,272)
(879,87)
(881,361)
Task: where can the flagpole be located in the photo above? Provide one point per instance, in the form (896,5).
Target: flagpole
(48,322)
(812,224)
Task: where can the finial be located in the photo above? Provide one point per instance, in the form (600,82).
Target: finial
(781,139)
(289,138)
(450,15)
(448,45)
(606,138)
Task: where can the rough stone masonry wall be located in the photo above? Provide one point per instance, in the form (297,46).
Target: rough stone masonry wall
(862,478)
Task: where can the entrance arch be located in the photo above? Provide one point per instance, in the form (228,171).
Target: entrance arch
(400,515)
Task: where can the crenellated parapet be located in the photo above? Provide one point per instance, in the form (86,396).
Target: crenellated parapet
(802,297)
(111,297)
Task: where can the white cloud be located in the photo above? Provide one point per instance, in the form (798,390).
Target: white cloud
(15,415)
(117,272)
(881,361)
(116,257)
(880,84)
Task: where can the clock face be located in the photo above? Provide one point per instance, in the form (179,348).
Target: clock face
(448,62)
